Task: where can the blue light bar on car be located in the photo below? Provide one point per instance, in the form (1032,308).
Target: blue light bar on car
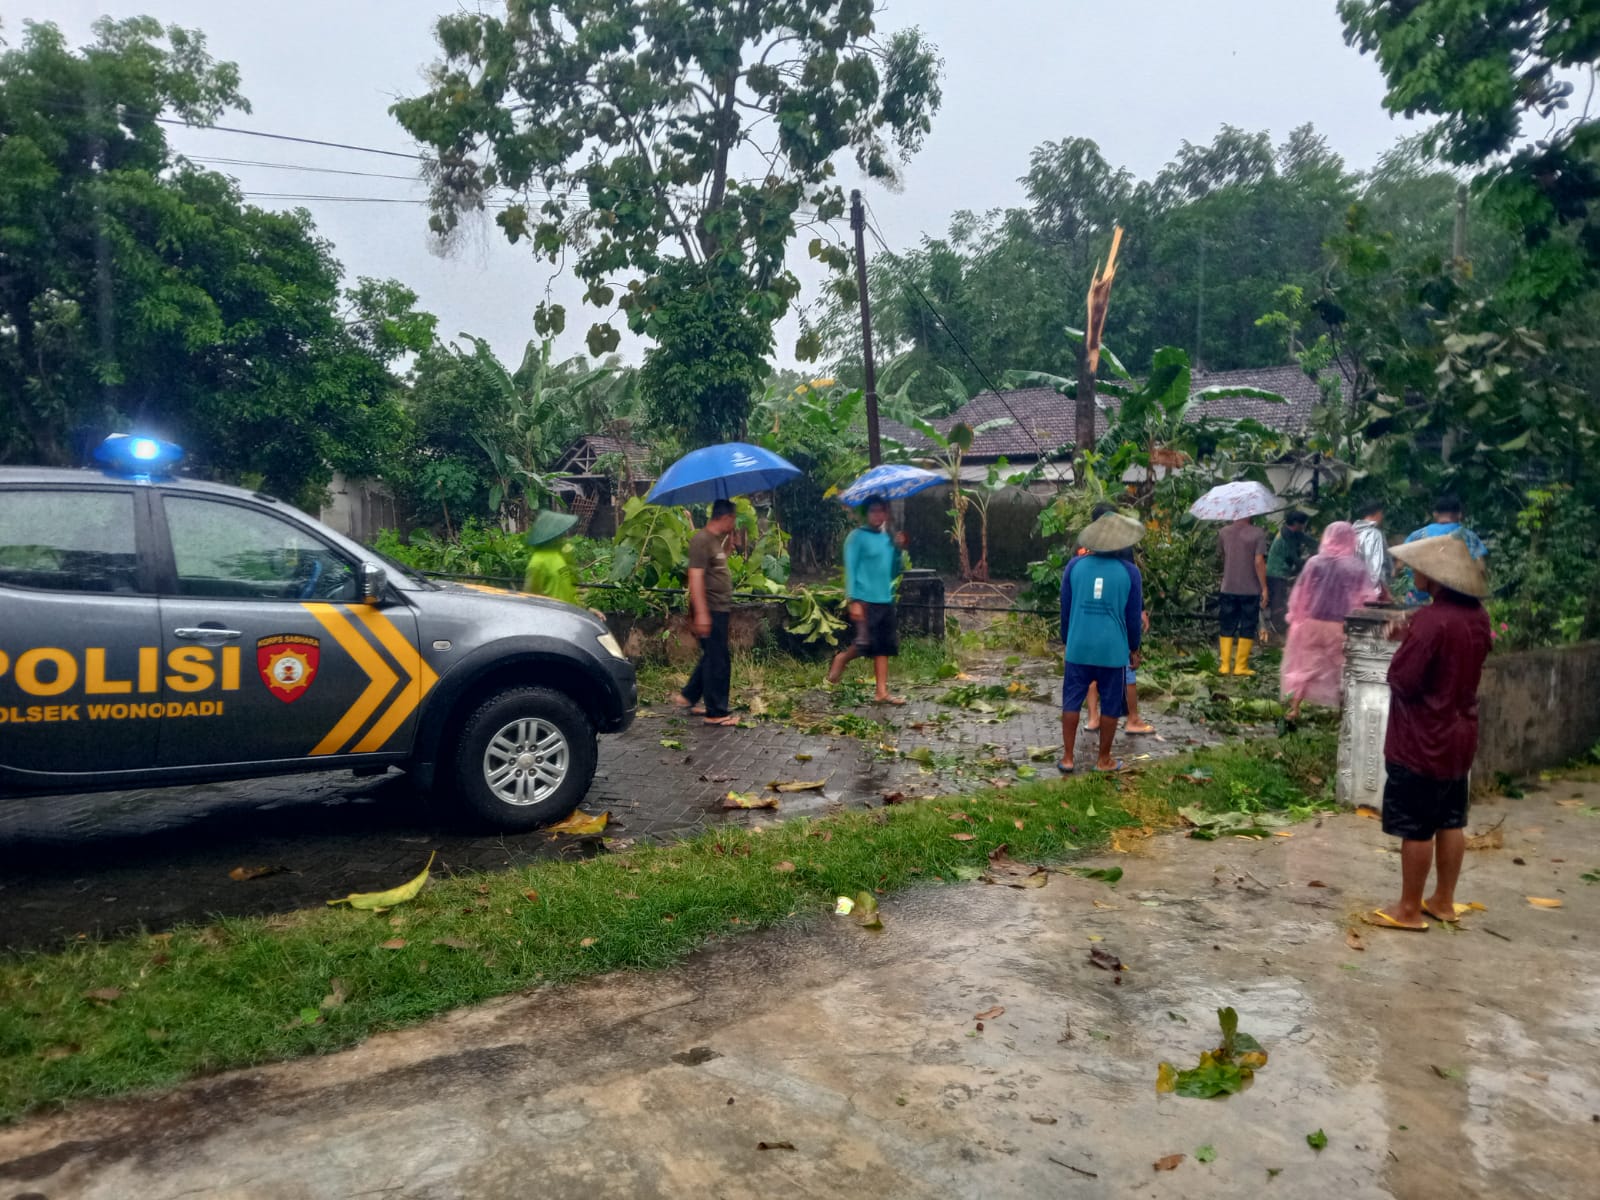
(136,457)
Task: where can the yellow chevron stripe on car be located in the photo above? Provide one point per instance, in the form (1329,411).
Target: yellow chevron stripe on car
(420,678)
(380,678)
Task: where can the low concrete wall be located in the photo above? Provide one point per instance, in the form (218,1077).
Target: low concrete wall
(1538,708)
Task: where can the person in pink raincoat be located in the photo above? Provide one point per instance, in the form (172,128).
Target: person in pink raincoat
(1333,585)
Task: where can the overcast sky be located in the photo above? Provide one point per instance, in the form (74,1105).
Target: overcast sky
(1138,76)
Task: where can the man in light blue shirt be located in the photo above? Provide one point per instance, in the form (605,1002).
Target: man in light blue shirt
(873,559)
(1446,520)
(1102,599)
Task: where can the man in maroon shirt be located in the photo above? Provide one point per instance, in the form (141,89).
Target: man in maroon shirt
(1433,728)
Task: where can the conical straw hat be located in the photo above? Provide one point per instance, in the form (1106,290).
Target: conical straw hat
(1445,559)
(1111,533)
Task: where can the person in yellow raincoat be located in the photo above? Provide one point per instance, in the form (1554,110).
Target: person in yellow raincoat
(550,570)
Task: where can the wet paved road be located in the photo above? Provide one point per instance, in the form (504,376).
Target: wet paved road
(88,866)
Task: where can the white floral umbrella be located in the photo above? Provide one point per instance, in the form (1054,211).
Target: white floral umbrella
(1230,501)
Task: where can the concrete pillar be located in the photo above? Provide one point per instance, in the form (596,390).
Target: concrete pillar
(1365,694)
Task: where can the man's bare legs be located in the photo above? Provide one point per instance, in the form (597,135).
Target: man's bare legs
(842,660)
(1108,733)
(1093,705)
(1450,848)
(1069,738)
(1416,859)
(1134,723)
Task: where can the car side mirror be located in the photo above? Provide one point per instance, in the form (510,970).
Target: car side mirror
(373,578)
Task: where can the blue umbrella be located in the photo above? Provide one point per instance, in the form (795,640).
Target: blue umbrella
(892,481)
(721,473)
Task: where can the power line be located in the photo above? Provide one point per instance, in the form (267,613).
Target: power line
(286,137)
(281,166)
(1044,455)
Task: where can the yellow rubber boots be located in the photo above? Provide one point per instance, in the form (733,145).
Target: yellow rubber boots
(1241,662)
(1225,656)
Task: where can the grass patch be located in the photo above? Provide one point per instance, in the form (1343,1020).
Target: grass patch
(142,1011)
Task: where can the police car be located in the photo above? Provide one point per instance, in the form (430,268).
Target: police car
(157,630)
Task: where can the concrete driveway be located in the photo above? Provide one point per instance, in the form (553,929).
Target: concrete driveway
(1458,1064)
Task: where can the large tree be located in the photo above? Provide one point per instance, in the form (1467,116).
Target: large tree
(1488,69)
(137,290)
(669,152)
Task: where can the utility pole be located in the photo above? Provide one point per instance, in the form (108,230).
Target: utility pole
(858,222)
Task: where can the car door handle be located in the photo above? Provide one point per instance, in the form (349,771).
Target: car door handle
(206,635)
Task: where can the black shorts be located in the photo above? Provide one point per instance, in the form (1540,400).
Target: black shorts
(1416,807)
(878,633)
(1240,615)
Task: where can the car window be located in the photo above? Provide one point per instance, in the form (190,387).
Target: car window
(68,541)
(227,550)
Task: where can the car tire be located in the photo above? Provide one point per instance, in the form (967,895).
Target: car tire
(526,758)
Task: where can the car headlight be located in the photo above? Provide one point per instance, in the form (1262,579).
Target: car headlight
(610,642)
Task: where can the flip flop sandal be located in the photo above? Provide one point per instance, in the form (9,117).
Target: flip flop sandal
(1455,920)
(1140,732)
(1066,768)
(1379,919)
(897,701)
(1111,770)
(728,722)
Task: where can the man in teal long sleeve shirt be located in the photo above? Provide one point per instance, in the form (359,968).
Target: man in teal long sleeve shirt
(873,560)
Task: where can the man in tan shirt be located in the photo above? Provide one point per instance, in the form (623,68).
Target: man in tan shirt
(710,600)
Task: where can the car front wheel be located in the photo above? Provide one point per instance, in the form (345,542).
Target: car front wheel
(526,758)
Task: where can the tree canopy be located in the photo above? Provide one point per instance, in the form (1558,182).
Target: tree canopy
(138,290)
(669,152)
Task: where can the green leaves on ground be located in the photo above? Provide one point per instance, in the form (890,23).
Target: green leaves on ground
(1103,874)
(1221,1072)
(1317,1141)
(383,901)
(1207,827)
(1205,1154)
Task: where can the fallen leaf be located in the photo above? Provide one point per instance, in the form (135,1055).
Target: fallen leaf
(1041,753)
(671,744)
(1095,937)
(1104,874)
(105,995)
(1367,811)
(393,944)
(1017,822)
(1316,883)
(990,1014)
(961,837)
(802,758)
(1543,902)
(894,797)
(784,866)
(1473,906)
(1105,959)
(1103,904)
(55,1053)
(1038,1119)
(958,816)
(1445,1072)
(797,785)
(587,942)
(1492,838)
(774,1145)
(1166,1079)
(1282,833)
(1027,773)
(531,895)
(748,800)
(1205,1154)
(581,823)
(1317,1141)
(1570,803)
(454,943)
(336,994)
(383,901)
(968,873)
(1353,940)
(243,873)
(1169,1163)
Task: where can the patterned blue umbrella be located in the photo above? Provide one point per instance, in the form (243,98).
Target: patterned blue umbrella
(892,481)
(721,473)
